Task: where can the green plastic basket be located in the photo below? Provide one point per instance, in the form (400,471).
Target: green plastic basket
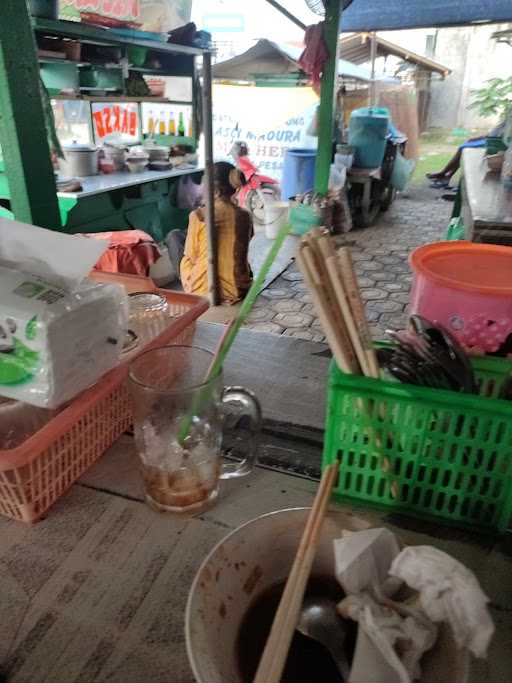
(429,453)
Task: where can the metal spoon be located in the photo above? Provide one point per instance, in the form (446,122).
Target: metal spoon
(320,621)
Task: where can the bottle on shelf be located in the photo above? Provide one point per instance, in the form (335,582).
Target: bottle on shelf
(190,128)
(161,126)
(181,125)
(172,124)
(151,124)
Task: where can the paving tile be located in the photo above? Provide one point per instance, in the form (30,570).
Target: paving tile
(299,286)
(393,321)
(261,315)
(401,297)
(292,275)
(373,294)
(393,286)
(272,328)
(307,335)
(305,297)
(365,281)
(286,305)
(275,293)
(367,266)
(301,320)
(383,276)
(387,306)
(308,308)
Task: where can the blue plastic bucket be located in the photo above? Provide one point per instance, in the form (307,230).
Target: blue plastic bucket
(367,133)
(298,172)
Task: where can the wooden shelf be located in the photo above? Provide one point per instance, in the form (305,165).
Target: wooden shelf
(104,36)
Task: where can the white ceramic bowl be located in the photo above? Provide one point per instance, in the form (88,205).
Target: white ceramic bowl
(136,165)
(250,560)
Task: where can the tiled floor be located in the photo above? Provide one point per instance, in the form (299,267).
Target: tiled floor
(381,258)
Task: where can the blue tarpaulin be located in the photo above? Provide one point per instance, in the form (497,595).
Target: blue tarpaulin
(388,15)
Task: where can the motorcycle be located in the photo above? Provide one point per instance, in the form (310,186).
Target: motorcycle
(257,189)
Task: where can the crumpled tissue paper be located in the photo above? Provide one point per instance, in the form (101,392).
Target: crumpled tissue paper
(448,592)
(393,642)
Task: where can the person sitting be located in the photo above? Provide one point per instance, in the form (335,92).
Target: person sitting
(443,177)
(188,251)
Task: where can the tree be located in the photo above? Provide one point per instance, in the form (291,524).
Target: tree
(493,98)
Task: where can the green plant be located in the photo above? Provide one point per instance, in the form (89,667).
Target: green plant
(493,98)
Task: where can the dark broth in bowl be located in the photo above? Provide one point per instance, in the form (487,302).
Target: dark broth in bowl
(308,661)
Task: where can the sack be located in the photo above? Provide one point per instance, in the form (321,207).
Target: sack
(402,171)
(189,195)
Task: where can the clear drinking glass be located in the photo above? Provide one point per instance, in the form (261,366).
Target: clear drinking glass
(149,315)
(178,421)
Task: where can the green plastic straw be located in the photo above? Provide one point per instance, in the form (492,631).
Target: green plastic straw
(244,311)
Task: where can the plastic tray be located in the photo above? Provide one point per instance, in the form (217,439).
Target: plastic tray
(429,453)
(36,473)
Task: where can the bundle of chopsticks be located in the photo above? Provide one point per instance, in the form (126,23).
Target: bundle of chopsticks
(330,277)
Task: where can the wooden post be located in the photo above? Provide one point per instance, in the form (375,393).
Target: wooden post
(22,126)
(328,92)
(213,289)
(373,57)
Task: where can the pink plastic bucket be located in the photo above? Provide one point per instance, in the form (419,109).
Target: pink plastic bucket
(467,288)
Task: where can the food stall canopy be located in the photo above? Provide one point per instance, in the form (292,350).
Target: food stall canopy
(269,58)
(375,15)
(357,49)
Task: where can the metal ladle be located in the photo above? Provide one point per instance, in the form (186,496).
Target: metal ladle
(320,621)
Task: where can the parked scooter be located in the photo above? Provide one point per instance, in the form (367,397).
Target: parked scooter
(258,189)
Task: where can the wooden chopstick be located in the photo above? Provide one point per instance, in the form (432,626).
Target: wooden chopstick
(338,341)
(274,656)
(324,248)
(353,293)
(333,269)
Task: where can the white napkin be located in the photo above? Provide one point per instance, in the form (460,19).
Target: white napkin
(390,643)
(448,592)
(362,561)
(59,259)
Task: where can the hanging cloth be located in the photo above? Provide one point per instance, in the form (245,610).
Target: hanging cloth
(315,55)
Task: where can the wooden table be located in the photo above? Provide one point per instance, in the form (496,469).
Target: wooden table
(97,591)
(486,206)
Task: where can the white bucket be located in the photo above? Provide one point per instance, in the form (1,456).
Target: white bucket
(276,215)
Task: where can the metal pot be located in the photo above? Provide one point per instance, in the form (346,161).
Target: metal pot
(80,160)
(250,560)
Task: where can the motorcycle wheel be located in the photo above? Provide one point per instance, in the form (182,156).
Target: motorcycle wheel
(256,199)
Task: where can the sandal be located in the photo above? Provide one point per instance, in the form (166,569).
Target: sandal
(440,184)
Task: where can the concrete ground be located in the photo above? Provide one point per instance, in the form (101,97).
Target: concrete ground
(381,258)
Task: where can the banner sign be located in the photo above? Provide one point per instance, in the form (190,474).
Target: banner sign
(269,120)
(115,121)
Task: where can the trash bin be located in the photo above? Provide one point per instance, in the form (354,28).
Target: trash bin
(298,172)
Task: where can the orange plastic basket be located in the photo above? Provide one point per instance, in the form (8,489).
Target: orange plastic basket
(36,473)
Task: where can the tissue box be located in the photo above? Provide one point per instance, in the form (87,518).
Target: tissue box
(54,344)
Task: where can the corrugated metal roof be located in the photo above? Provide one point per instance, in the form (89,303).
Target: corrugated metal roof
(357,49)
(267,57)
